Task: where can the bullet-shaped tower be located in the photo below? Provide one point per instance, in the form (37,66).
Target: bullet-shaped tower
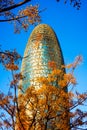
(42,48)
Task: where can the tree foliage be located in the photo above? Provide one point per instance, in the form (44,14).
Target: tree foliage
(22,18)
(53,106)
(10,12)
(74,3)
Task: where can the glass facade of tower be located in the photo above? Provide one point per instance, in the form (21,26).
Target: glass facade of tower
(42,48)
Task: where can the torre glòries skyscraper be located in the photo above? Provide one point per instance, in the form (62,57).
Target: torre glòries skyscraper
(42,48)
(42,104)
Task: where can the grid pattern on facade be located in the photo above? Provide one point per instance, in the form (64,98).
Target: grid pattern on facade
(42,47)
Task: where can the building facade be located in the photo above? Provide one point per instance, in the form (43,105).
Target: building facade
(42,48)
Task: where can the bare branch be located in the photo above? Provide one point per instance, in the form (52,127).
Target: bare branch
(14,6)
(16,18)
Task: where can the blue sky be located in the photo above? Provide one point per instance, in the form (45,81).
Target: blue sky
(69,24)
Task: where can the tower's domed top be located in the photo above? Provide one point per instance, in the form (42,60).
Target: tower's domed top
(44,30)
(42,27)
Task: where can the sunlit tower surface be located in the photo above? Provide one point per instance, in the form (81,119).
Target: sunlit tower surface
(42,48)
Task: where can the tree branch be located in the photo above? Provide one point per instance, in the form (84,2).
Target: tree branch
(77,103)
(14,6)
(16,18)
(16,102)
